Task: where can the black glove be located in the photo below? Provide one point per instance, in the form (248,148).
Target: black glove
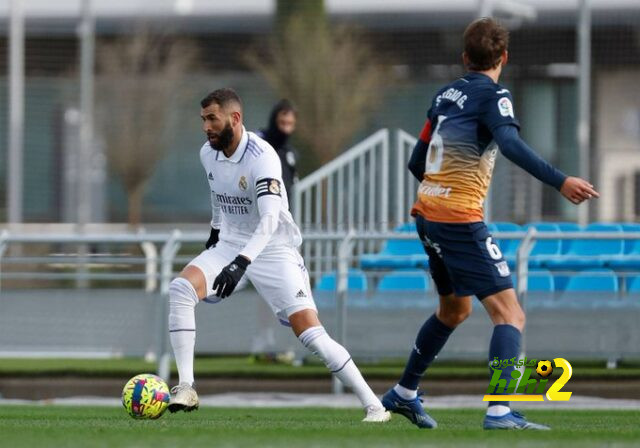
(213,238)
(229,277)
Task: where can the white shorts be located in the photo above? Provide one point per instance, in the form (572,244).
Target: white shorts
(279,276)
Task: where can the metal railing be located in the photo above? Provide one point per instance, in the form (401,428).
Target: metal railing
(159,265)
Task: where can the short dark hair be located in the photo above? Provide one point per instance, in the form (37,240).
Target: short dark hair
(284,105)
(484,42)
(222,97)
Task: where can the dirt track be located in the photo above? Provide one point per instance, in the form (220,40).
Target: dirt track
(43,388)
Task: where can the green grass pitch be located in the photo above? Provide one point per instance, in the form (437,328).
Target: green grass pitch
(58,426)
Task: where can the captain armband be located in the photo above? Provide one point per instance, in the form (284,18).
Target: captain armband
(268,186)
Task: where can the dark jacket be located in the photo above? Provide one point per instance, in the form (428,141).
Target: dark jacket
(287,153)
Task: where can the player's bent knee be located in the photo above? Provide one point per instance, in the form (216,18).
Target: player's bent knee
(303,320)
(196,277)
(453,318)
(454,310)
(519,319)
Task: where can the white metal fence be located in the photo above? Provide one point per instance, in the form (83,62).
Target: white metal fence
(104,319)
(366,189)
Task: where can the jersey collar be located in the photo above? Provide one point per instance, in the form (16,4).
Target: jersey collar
(470,76)
(239,152)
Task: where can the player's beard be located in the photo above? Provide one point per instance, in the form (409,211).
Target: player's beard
(224,139)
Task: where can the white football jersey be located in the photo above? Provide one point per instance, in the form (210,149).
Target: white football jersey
(236,183)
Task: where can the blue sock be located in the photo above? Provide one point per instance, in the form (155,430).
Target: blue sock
(430,340)
(505,344)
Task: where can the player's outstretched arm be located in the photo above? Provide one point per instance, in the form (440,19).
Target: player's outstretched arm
(578,190)
(516,150)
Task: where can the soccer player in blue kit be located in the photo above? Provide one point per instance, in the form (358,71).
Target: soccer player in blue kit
(469,120)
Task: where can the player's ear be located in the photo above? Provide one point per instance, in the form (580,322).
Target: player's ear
(236,117)
(505,57)
(465,59)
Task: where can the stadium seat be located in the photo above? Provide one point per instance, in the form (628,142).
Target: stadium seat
(405,280)
(589,253)
(508,247)
(593,280)
(406,227)
(543,249)
(567,227)
(538,280)
(633,285)
(396,254)
(357,281)
(630,260)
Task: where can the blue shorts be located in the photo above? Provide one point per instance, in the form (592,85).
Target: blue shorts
(463,258)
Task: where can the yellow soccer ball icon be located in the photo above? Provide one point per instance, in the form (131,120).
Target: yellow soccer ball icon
(544,368)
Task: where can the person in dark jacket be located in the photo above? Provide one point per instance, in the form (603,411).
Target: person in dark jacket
(282,123)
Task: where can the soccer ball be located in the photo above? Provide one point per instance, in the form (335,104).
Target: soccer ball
(145,396)
(544,368)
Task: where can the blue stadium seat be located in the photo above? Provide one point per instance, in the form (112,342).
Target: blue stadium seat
(405,280)
(593,280)
(633,285)
(567,227)
(357,281)
(631,246)
(396,254)
(507,246)
(538,280)
(589,253)
(406,227)
(630,261)
(543,249)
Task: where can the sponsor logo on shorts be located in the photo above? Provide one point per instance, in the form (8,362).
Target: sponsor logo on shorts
(503,269)
(300,294)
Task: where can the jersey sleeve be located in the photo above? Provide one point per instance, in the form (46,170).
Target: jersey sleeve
(497,110)
(267,176)
(418,157)
(216,216)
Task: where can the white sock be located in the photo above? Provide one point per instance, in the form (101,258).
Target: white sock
(338,360)
(405,393)
(182,326)
(498,410)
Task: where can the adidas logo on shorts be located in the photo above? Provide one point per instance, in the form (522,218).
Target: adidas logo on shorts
(300,294)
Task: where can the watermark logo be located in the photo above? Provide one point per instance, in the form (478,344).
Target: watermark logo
(524,385)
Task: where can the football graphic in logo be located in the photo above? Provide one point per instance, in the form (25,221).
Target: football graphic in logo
(544,368)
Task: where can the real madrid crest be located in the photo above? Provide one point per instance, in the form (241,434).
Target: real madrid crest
(274,186)
(243,183)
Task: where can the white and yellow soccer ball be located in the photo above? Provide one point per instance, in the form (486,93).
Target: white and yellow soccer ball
(145,396)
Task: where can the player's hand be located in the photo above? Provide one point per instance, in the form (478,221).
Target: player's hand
(213,238)
(229,277)
(578,190)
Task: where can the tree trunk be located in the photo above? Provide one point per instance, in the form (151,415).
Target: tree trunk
(135,196)
(312,10)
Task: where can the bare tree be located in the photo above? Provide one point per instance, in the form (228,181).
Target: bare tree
(329,72)
(141,79)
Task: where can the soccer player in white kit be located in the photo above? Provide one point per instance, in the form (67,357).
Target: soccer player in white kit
(253,238)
